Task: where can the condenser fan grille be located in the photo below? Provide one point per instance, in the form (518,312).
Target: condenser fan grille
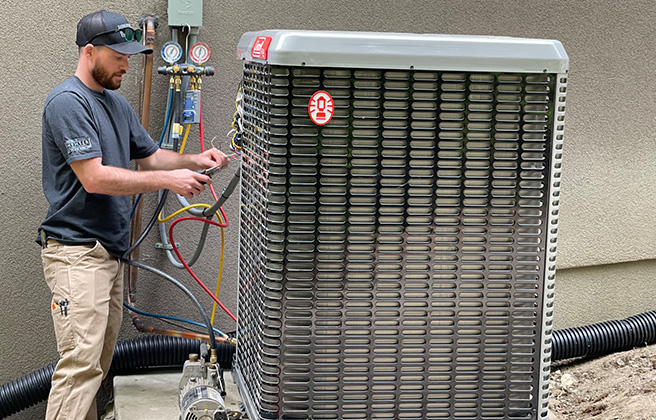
(393,261)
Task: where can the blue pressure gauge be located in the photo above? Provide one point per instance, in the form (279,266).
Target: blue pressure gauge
(171,52)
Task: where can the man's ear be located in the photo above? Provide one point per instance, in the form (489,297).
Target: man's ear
(88,51)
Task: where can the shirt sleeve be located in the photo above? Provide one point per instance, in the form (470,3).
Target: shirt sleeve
(72,128)
(141,145)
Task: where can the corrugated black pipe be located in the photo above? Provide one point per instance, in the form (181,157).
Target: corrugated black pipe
(129,356)
(605,338)
(161,351)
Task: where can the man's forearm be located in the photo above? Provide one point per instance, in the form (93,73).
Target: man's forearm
(118,181)
(97,178)
(166,160)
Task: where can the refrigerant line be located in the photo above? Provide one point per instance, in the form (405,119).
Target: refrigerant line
(182,260)
(171,318)
(186,291)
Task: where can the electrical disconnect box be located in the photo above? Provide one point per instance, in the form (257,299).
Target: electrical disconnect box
(399,214)
(185,13)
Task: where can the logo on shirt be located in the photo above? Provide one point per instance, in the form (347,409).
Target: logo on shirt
(78,145)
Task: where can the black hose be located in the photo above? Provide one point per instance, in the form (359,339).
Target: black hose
(130,356)
(208,323)
(176,116)
(224,195)
(160,351)
(151,223)
(605,337)
(25,392)
(201,244)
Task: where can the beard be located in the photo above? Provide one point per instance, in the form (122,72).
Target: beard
(105,79)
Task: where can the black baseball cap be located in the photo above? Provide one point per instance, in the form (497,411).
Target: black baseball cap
(108,29)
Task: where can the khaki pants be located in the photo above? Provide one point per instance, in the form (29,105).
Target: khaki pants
(87,293)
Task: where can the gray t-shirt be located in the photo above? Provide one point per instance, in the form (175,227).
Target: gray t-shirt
(79,123)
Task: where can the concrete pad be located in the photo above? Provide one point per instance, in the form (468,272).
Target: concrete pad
(154,396)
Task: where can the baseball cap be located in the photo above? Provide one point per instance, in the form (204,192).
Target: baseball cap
(108,29)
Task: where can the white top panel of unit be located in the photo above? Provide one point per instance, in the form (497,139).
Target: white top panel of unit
(381,50)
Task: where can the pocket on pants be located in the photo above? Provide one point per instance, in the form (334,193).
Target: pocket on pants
(77,253)
(62,320)
(58,260)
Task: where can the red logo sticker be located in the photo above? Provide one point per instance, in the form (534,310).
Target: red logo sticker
(321,107)
(261,47)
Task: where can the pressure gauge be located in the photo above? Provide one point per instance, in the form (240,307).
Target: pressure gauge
(171,52)
(200,53)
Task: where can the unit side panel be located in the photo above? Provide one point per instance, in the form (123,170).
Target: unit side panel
(556,151)
(258,329)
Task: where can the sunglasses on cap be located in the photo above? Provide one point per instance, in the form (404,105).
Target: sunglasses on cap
(128,34)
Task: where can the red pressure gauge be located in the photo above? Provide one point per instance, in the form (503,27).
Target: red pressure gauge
(200,53)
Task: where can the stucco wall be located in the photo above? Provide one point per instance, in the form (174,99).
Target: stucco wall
(608,193)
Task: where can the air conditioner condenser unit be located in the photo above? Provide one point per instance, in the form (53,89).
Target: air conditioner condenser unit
(399,211)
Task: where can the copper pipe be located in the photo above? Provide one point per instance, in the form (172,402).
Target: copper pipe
(149,23)
(174,333)
(149,35)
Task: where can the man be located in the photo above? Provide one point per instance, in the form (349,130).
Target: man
(90,134)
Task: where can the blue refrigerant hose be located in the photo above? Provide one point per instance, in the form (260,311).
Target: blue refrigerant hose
(167,121)
(170,318)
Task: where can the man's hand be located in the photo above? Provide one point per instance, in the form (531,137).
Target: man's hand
(211,157)
(187,183)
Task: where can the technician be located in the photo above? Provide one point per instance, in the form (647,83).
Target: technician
(89,136)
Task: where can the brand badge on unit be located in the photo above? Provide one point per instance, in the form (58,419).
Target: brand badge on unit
(321,107)
(261,47)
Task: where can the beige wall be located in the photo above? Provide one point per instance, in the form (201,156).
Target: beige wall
(608,230)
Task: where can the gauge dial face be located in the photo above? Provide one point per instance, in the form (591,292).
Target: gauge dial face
(171,52)
(200,52)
